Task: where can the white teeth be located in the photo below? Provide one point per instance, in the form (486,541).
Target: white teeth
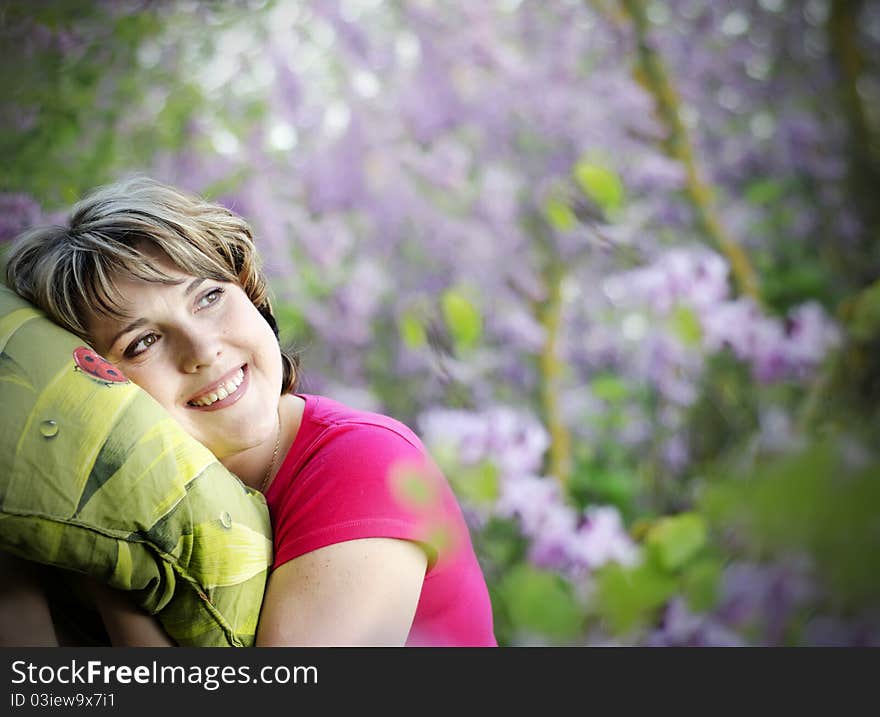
(223,391)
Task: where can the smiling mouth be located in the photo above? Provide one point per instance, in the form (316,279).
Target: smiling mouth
(222,394)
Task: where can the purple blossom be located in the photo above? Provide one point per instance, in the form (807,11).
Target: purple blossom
(431,104)
(775,349)
(683,628)
(335,178)
(347,316)
(537,502)
(289,88)
(828,631)
(518,327)
(768,351)
(446,165)
(513,440)
(559,539)
(810,335)
(352,37)
(601,538)
(515,443)
(764,596)
(656,173)
(17,213)
(676,452)
(732,325)
(695,278)
(671,366)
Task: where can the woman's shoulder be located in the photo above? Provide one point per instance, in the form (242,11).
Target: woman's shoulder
(362,451)
(333,420)
(361,474)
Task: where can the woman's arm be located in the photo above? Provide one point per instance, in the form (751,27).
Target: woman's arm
(356,593)
(126,623)
(25,619)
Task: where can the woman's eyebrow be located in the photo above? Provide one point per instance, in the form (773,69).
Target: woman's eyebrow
(131,327)
(193,285)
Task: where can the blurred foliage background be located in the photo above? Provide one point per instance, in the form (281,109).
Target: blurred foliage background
(616,261)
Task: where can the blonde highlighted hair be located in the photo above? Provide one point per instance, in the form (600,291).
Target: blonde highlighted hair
(69,271)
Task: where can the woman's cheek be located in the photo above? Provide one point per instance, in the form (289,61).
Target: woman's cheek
(154,384)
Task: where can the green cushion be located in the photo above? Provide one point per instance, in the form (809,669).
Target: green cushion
(97,478)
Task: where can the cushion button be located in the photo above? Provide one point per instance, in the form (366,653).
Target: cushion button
(225,519)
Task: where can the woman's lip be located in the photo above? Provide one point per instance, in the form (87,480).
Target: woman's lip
(212,388)
(231,398)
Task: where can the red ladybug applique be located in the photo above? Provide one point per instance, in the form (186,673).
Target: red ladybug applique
(97,367)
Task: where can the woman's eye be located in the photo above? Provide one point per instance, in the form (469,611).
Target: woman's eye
(212,297)
(141,345)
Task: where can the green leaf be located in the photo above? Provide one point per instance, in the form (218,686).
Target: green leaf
(292,324)
(542,602)
(560,215)
(673,541)
(609,388)
(629,597)
(412,332)
(615,486)
(865,322)
(700,584)
(477,485)
(600,184)
(686,325)
(502,543)
(462,319)
(765,191)
(822,500)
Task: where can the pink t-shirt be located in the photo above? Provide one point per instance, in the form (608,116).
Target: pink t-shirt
(352,474)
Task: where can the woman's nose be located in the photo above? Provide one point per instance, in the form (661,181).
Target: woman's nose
(199,352)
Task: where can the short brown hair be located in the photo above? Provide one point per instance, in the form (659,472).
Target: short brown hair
(69,270)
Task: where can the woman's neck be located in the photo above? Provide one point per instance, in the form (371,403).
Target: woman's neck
(258,465)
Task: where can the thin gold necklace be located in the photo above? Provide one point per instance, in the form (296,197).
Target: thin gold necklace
(265,483)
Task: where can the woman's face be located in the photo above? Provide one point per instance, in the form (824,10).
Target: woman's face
(203,351)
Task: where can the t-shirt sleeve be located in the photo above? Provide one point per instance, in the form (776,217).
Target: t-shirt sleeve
(365,481)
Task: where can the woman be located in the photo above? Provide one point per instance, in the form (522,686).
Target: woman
(168,287)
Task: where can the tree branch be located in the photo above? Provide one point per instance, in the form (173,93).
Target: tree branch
(653,75)
(550,315)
